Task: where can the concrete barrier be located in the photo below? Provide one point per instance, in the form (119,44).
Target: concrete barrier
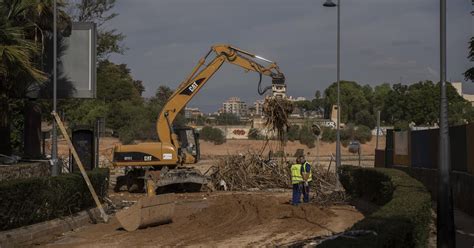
(25,170)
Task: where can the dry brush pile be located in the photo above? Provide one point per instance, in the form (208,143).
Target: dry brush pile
(250,172)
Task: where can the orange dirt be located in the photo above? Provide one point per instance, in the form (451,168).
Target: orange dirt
(325,149)
(208,149)
(223,219)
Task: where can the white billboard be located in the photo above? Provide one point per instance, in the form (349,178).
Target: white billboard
(79,59)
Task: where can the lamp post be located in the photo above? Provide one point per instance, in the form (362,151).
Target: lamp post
(445,217)
(330,4)
(54,138)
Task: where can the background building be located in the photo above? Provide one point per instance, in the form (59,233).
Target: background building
(191,113)
(235,106)
(458,87)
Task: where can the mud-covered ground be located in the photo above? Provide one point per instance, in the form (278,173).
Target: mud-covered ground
(220,219)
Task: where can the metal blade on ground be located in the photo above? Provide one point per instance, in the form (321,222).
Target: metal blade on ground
(148,211)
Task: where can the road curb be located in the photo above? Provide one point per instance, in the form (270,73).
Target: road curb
(31,234)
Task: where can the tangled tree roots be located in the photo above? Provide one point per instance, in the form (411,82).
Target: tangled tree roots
(276,112)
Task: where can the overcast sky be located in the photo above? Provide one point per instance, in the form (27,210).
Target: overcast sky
(381,41)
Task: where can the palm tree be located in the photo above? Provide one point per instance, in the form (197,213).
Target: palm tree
(17,65)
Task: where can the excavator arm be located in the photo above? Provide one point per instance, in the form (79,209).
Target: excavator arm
(199,77)
(156,162)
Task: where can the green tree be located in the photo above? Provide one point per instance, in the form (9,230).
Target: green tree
(138,84)
(306,136)
(211,134)
(380,94)
(293,133)
(365,118)
(114,83)
(419,103)
(328,134)
(109,41)
(17,65)
(395,105)
(469,74)
(353,99)
(317,94)
(363,134)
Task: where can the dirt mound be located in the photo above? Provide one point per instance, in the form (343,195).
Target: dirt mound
(224,219)
(245,210)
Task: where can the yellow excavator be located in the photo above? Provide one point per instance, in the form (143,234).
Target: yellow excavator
(158,165)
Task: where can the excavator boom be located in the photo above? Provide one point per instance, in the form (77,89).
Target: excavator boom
(198,78)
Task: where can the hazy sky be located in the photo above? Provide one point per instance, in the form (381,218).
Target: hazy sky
(381,41)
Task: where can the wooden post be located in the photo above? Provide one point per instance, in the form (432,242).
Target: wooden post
(81,167)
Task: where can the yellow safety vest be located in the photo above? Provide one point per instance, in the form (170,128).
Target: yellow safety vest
(296,176)
(310,176)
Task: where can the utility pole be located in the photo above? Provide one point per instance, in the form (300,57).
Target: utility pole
(445,217)
(330,4)
(378,131)
(54,138)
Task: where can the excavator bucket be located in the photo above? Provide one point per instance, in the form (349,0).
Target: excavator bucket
(148,211)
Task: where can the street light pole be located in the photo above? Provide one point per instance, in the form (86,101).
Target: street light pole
(329,3)
(445,217)
(338,133)
(54,138)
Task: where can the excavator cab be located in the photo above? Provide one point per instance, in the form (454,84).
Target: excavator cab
(189,143)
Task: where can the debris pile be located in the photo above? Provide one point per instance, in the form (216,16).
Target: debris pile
(251,172)
(328,189)
(244,172)
(276,112)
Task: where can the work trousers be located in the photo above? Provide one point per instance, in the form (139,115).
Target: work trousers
(296,199)
(305,190)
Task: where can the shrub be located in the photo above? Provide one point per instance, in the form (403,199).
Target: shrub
(307,137)
(293,133)
(211,134)
(33,200)
(363,134)
(328,134)
(404,216)
(365,118)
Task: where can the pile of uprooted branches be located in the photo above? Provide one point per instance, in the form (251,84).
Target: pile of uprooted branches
(326,186)
(276,112)
(251,172)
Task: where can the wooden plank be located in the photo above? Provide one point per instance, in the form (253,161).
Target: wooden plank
(81,167)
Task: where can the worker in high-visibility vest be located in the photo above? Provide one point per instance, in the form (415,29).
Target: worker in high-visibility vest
(296,181)
(307,177)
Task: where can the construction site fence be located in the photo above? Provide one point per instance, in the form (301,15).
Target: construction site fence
(417,153)
(420,149)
